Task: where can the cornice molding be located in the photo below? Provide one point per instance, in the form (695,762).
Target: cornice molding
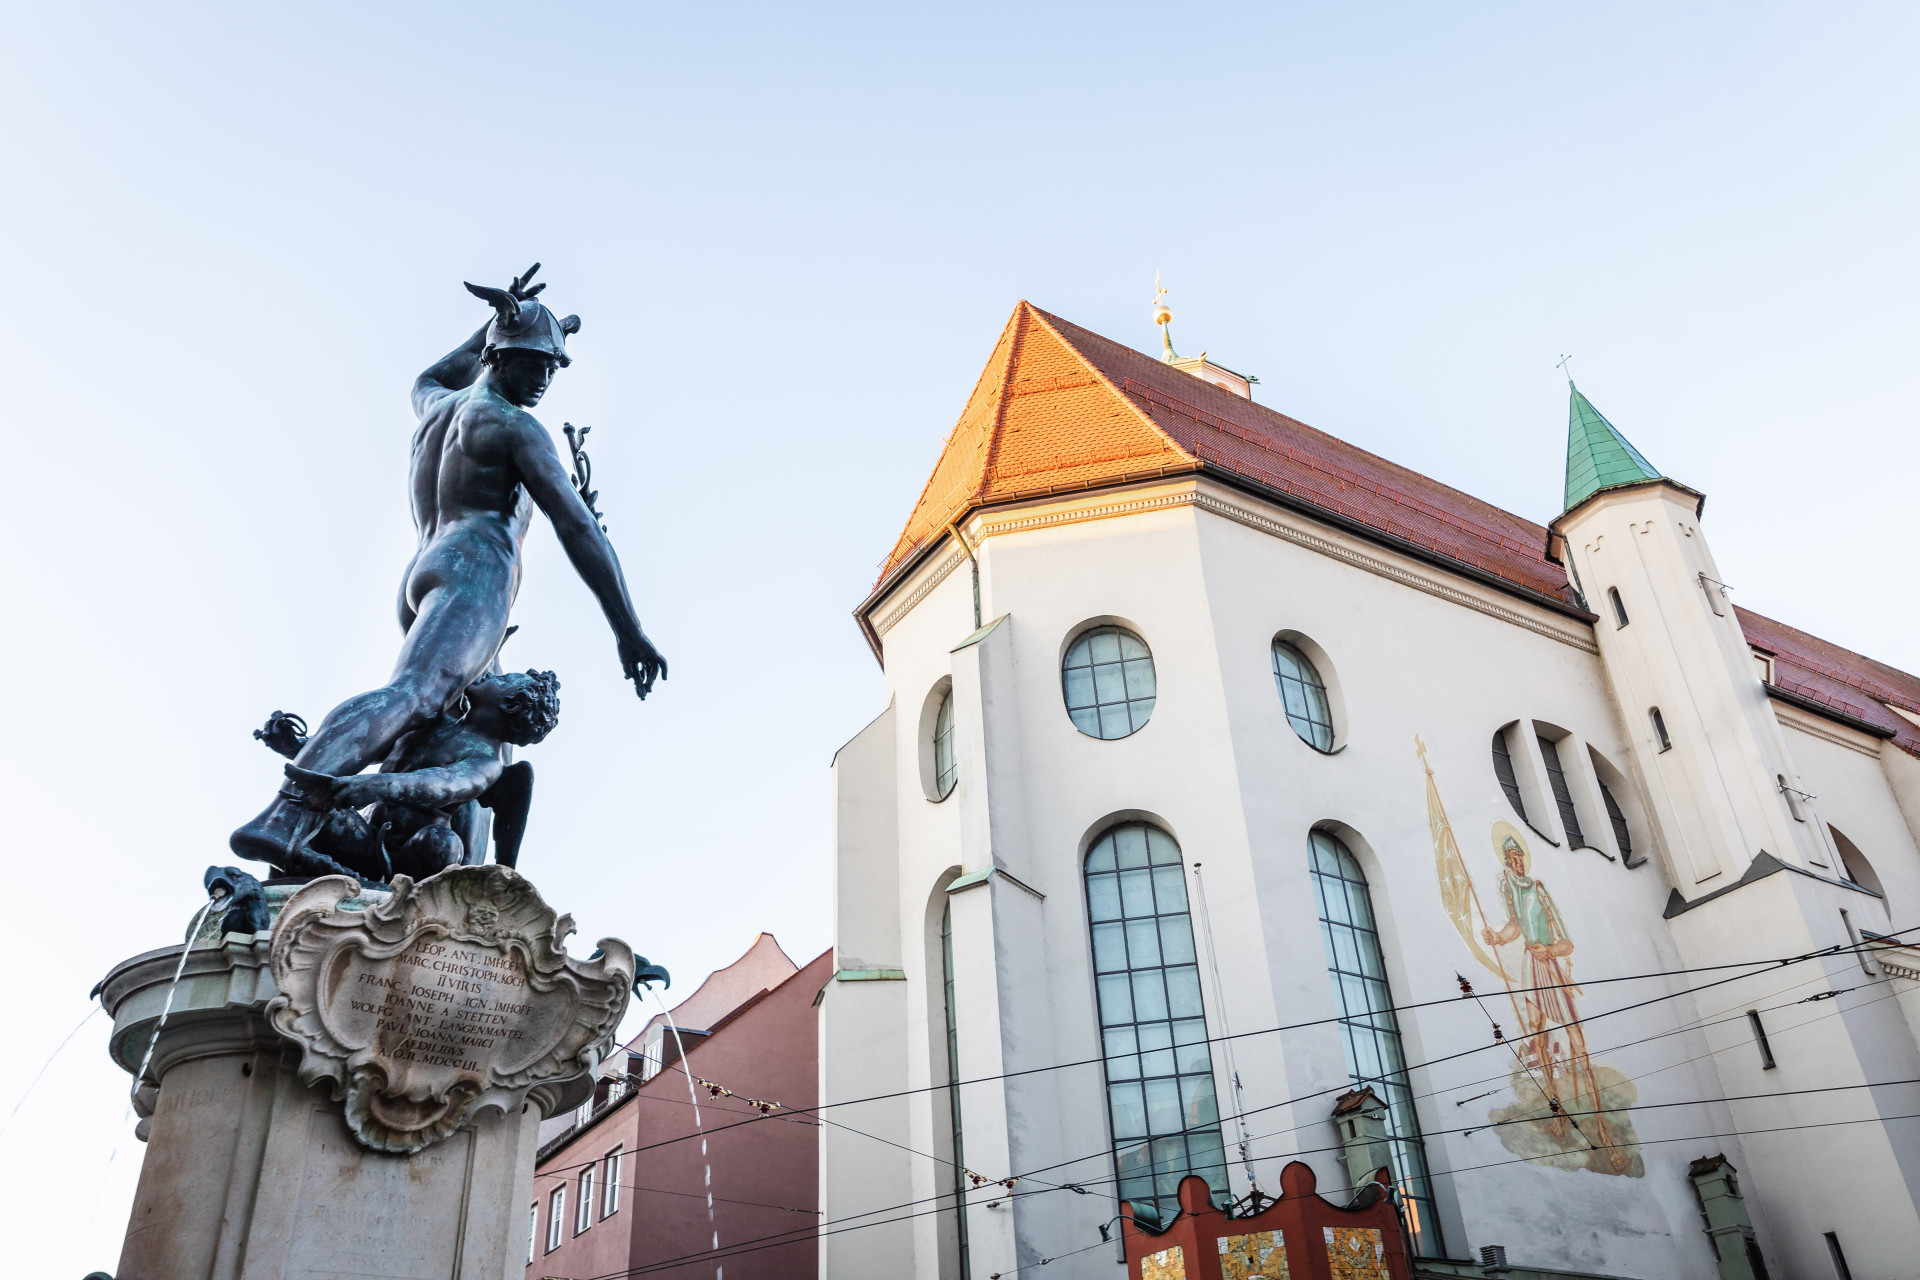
(1191,494)
(1794,718)
(932,578)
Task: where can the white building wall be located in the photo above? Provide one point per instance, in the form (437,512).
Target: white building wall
(1207,578)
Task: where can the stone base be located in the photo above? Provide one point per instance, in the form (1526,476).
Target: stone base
(251,1175)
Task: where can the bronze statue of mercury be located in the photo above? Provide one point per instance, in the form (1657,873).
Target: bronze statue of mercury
(480,464)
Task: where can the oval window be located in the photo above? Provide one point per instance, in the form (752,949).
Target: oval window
(1109,683)
(1304,695)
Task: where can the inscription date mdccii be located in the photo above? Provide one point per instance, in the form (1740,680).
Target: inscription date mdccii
(452,996)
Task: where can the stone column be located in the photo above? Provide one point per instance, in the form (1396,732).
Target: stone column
(252,1173)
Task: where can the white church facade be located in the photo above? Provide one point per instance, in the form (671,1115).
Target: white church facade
(1229,774)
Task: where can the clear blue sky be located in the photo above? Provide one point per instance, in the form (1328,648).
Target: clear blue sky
(234,234)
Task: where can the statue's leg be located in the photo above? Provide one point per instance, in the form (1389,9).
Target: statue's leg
(454,636)
(432,848)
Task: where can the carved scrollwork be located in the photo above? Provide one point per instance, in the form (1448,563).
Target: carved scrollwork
(453,995)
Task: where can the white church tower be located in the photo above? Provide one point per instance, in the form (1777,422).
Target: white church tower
(1731,812)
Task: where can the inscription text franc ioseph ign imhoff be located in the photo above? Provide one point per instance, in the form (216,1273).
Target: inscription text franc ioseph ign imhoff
(452,996)
(446,1004)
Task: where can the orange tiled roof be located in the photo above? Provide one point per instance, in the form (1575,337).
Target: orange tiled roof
(1059,408)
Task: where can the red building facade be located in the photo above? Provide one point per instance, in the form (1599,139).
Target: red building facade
(621,1186)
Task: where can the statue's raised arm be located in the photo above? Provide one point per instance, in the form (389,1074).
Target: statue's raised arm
(478,455)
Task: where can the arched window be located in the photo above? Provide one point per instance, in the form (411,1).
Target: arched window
(1562,793)
(946,769)
(1503,770)
(1109,682)
(1621,836)
(1160,1099)
(1304,695)
(1853,863)
(1619,609)
(1660,728)
(1370,1032)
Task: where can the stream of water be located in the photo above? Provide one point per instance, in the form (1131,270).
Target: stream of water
(719,1269)
(146,1059)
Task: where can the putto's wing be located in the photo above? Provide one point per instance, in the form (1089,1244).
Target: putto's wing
(510,798)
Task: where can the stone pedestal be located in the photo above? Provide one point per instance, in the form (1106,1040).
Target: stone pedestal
(251,1174)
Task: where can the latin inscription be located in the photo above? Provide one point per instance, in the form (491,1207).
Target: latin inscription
(445,1004)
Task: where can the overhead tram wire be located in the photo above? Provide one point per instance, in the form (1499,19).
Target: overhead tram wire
(1641,1075)
(768,1242)
(800,1234)
(775,1241)
(1836,950)
(1755,966)
(1081,1186)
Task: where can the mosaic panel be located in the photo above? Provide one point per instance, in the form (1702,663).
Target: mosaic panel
(1260,1256)
(1356,1253)
(1168,1264)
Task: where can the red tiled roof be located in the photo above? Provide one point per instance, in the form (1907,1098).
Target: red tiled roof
(1059,408)
(1848,682)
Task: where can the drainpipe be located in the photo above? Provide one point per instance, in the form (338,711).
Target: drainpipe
(1226,1034)
(953,528)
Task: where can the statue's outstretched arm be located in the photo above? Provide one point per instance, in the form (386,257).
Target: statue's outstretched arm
(587,547)
(451,372)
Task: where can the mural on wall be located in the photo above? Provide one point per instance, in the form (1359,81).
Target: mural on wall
(1568,1111)
(1168,1264)
(1356,1253)
(1259,1256)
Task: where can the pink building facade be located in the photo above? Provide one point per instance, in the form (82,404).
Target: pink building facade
(621,1185)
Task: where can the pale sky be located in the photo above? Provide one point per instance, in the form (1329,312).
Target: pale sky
(235,234)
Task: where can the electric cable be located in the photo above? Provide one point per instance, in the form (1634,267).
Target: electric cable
(1756,967)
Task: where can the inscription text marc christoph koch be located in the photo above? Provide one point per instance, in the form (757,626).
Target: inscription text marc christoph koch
(445,1005)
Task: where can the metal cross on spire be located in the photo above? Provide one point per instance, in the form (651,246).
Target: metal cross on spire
(1562,366)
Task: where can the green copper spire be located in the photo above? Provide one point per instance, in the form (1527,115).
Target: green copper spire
(1598,456)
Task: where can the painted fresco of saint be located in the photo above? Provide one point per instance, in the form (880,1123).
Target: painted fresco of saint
(1556,1044)
(1567,1111)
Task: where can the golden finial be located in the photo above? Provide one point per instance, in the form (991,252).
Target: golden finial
(1163,316)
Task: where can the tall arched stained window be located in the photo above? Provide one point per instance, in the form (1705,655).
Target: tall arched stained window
(1166,1123)
(1370,1032)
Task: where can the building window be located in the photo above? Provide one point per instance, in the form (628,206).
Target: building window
(1160,1099)
(946,769)
(1760,1039)
(1109,682)
(1853,863)
(1370,1033)
(1619,609)
(583,1212)
(1660,728)
(1304,695)
(953,1094)
(1503,770)
(556,1215)
(533,1228)
(1840,1269)
(1621,836)
(611,1196)
(1562,793)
